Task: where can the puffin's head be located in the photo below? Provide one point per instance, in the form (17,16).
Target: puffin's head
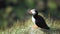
(33,12)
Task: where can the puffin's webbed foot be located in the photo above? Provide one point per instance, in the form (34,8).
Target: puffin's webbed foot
(35,26)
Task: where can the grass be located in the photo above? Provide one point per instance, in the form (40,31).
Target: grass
(26,28)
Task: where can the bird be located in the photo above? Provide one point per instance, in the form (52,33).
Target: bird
(38,20)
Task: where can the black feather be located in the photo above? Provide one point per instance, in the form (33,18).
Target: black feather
(39,21)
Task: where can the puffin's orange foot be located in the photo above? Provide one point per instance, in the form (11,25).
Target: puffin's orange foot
(35,26)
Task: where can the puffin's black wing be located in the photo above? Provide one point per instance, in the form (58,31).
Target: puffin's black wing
(40,22)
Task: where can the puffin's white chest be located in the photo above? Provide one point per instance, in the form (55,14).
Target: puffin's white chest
(33,19)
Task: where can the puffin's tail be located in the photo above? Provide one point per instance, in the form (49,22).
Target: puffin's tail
(47,28)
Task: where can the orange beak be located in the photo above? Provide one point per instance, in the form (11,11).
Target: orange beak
(29,12)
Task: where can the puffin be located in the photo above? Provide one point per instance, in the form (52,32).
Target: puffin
(38,20)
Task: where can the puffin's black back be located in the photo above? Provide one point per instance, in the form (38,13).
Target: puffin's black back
(40,22)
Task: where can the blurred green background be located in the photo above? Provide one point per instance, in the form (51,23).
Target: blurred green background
(12,11)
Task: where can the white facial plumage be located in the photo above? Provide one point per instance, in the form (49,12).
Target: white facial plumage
(33,11)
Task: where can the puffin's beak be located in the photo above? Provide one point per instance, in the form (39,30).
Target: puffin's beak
(29,12)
